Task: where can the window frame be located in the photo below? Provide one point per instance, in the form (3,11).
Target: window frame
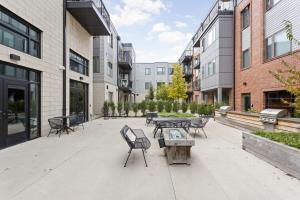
(245,10)
(15,31)
(147,83)
(163,71)
(243,59)
(86,68)
(110,72)
(147,70)
(272,4)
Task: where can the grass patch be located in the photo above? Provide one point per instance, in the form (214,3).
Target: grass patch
(173,114)
(287,138)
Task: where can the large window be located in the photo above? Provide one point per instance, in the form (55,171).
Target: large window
(18,34)
(246,102)
(160,71)
(79,98)
(245,18)
(147,85)
(78,63)
(279,100)
(211,67)
(271,3)
(109,69)
(211,36)
(278,45)
(147,71)
(246,59)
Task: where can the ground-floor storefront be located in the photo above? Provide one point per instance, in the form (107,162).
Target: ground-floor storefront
(20,101)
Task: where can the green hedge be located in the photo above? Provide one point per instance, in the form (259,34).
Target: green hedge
(288,138)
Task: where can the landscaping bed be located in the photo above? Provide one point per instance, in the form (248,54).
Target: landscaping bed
(282,150)
(177,115)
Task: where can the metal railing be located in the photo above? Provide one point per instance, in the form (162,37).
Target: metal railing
(125,83)
(219,7)
(185,54)
(197,84)
(196,61)
(101,7)
(125,57)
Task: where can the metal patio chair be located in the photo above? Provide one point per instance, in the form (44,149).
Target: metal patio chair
(136,139)
(76,120)
(57,125)
(198,124)
(150,116)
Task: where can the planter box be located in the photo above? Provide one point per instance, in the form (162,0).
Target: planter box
(279,155)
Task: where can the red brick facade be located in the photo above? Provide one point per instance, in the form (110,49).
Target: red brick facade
(257,78)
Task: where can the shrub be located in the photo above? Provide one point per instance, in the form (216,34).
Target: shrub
(175,107)
(184,107)
(105,108)
(120,108)
(168,106)
(143,107)
(135,108)
(201,109)
(127,108)
(160,106)
(193,107)
(152,106)
(112,108)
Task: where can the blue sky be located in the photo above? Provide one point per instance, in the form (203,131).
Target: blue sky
(158,29)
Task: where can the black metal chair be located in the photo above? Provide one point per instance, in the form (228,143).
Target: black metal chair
(136,139)
(57,125)
(76,120)
(150,116)
(198,124)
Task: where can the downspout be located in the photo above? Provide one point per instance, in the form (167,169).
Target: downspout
(118,40)
(234,75)
(64,108)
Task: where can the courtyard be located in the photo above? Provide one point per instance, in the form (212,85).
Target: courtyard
(88,164)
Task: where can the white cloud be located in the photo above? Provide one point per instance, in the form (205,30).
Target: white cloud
(189,16)
(180,24)
(160,27)
(133,12)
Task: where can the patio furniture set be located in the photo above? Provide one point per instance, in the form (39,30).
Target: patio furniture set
(61,124)
(176,138)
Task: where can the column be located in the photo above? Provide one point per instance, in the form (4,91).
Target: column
(220,95)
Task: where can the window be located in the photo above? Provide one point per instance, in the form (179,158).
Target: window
(147,71)
(158,84)
(211,36)
(110,96)
(246,60)
(245,18)
(147,85)
(246,102)
(203,44)
(78,63)
(170,71)
(109,69)
(96,64)
(18,34)
(211,68)
(278,45)
(110,40)
(271,3)
(160,71)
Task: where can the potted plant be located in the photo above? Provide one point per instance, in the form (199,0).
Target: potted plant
(193,107)
(105,110)
(120,108)
(143,107)
(113,109)
(127,108)
(135,108)
(184,107)
(168,106)
(152,106)
(175,107)
(160,106)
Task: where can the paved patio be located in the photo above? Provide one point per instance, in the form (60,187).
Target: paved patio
(88,165)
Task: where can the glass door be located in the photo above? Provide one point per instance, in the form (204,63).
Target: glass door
(2,116)
(15,118)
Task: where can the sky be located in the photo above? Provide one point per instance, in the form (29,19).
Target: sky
(159,29)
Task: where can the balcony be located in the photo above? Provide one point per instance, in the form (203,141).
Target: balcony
(125,85)
(196,62)
(197,85)
(188,75)
(186,56)
(219,8)
(125,60)
(91,14)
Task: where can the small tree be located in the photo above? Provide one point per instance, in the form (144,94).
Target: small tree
(175,107)
(184,107)
(160,106)
(112,108)
(127,108)
(168,106)
(150,95)
(143,107)
(290,76)
(162,92)
(152,106)
(135,108)
(120,108)
(178,89)
(105,108)
(193,107)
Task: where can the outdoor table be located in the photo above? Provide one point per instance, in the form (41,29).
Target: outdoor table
(168,122)
(178,146)
(65,124)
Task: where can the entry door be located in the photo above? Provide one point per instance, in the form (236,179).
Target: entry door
(14,112)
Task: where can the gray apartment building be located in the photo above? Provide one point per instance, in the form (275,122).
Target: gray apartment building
(46,63)
(151,74)
(213,44)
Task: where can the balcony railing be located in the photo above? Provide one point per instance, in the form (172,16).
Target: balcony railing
(196,62)
(84,15)
(125,84)
(186,56)
(219,7)
(196,85)
(125,60)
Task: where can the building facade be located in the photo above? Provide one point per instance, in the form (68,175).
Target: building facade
(151,74)
(261,46)
(45,64)
(213,43)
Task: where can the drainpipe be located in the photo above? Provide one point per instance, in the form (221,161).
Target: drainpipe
(64,106)
(234,75)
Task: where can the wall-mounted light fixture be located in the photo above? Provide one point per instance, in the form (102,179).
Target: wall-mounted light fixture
(14,57)
(81,78)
